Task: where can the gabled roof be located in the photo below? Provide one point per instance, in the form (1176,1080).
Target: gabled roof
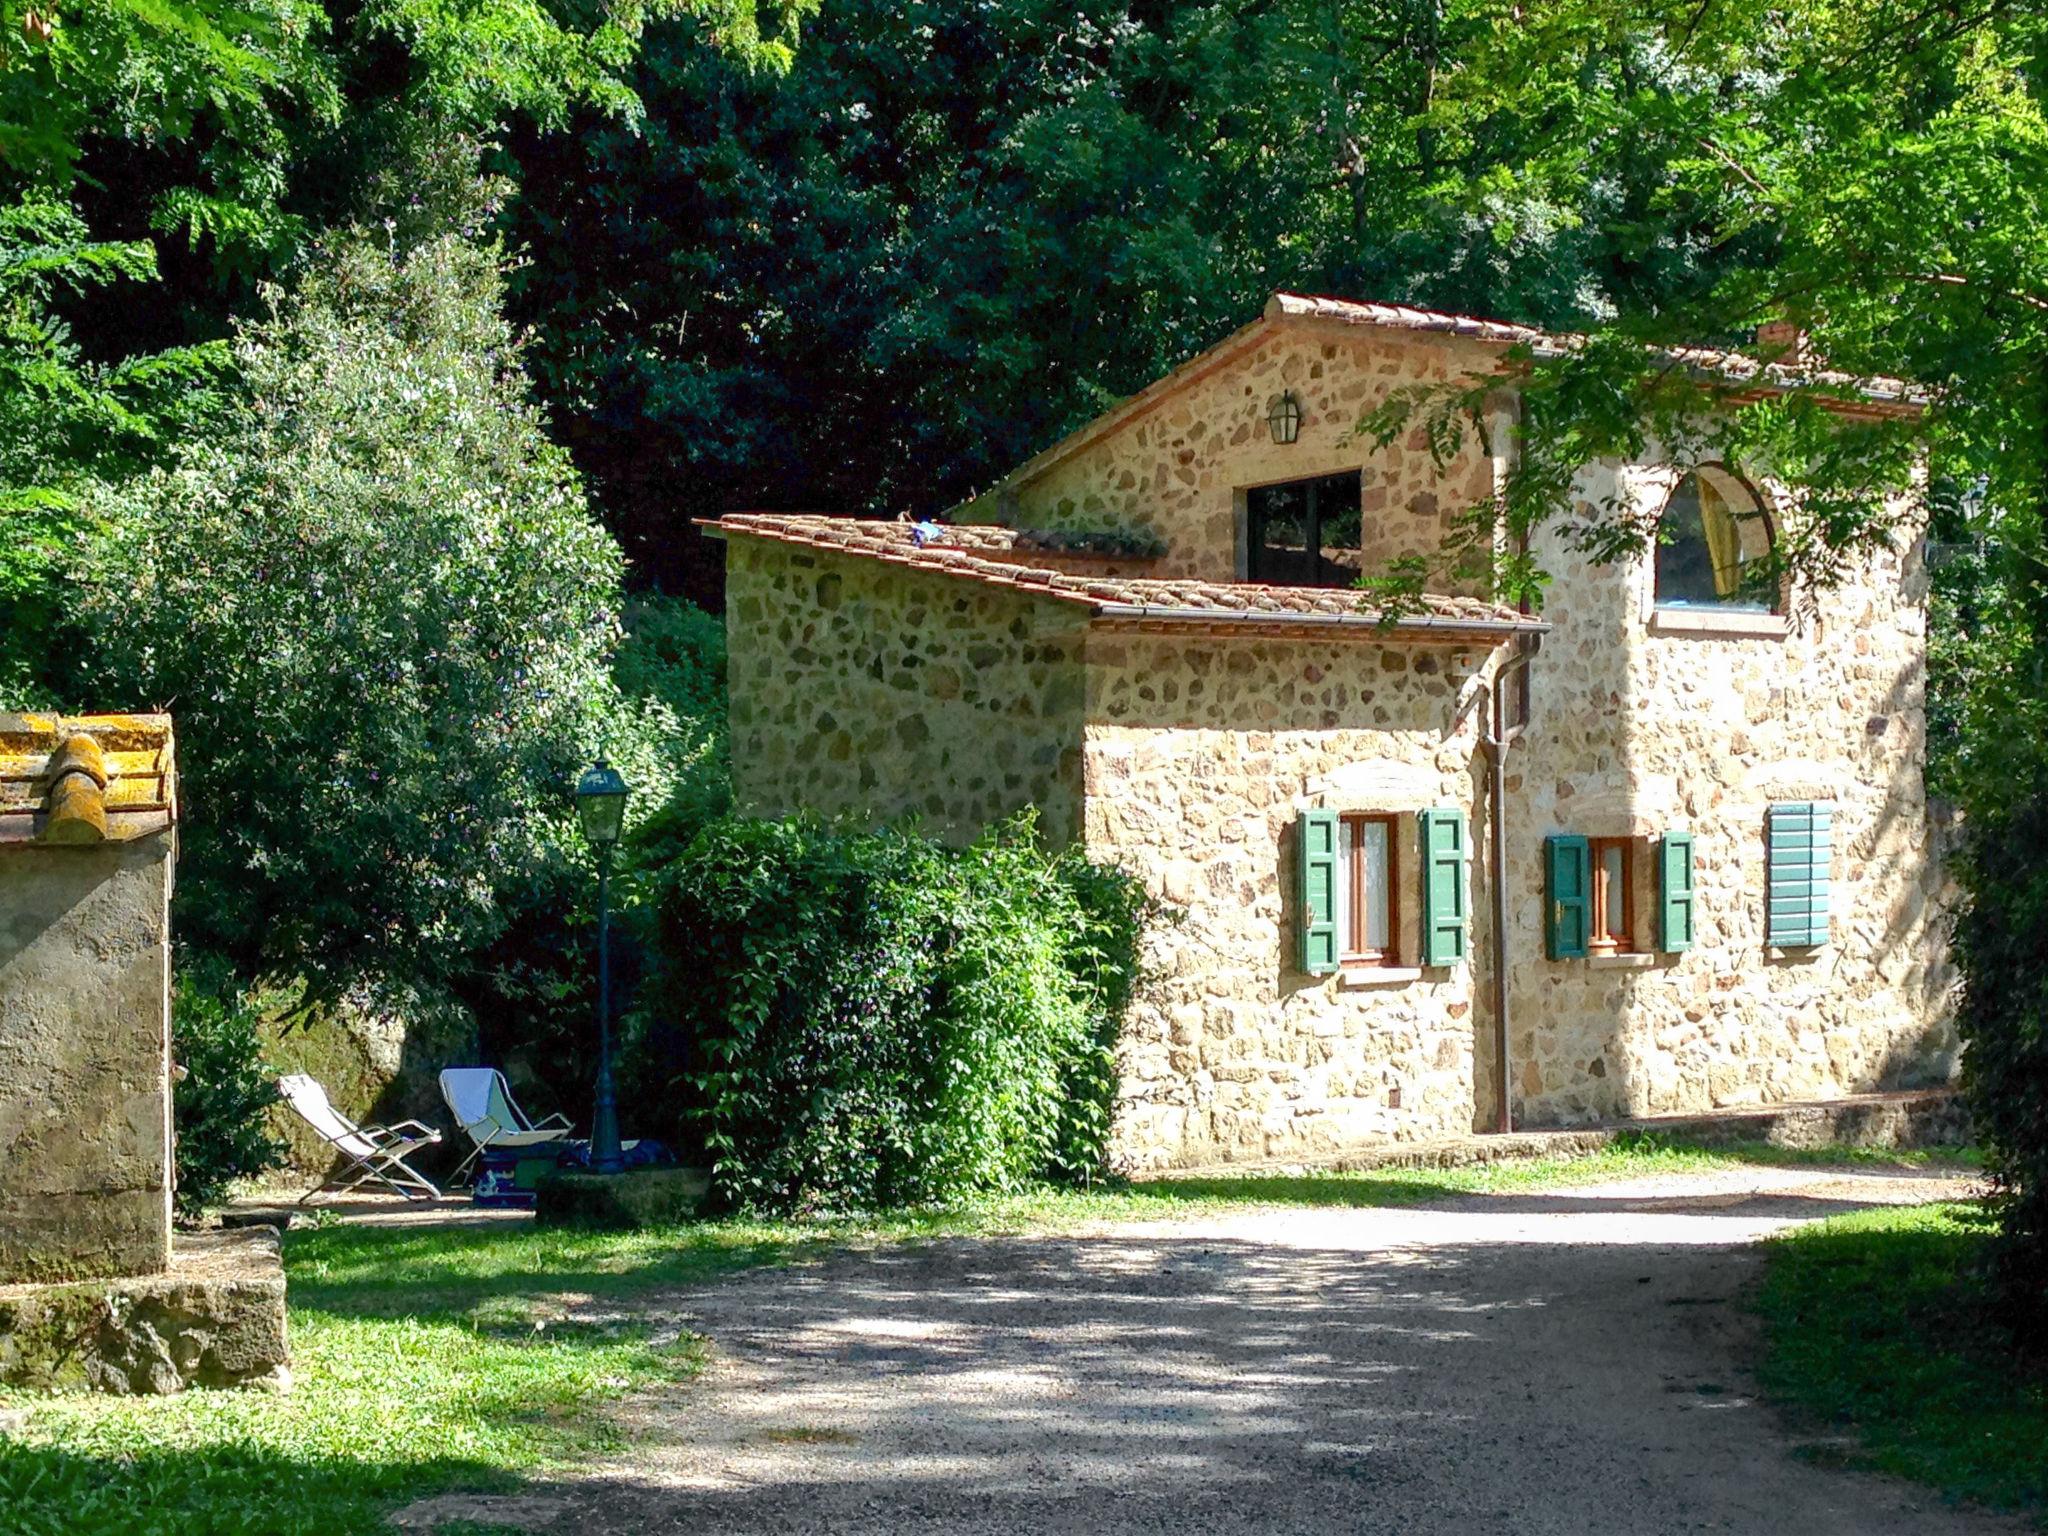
(1749,378)
(976,553)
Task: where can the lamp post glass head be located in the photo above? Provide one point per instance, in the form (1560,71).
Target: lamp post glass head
(601,803)
(1283,421)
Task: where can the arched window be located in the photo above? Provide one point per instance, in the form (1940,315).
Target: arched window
(1711,546)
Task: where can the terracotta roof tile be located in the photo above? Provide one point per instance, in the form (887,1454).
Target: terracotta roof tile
(1735,368)
(972,552)
(106,778)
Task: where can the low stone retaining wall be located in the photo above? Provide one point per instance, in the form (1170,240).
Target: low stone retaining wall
(1935,1117)
(215,1318)
(1921,1118)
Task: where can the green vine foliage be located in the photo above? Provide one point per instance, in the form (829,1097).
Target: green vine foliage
(1987,723)
(1620,398)
(226,1086)
(878,1019)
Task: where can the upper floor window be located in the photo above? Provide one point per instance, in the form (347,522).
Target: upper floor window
(1305,533)
(1712,544)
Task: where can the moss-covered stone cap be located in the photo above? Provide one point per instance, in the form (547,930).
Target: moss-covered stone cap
(79,780)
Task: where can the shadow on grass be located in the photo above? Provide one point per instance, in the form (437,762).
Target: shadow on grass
(1881,1323)
(426,1361)
(1891,1162)
(449,1273)
(215,1491)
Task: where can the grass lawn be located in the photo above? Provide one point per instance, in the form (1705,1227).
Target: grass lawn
(432,1359)
(1875,1329)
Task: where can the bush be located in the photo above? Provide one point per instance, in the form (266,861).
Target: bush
(877,1019)
(2004,1023)
(219,1103)
(1988,748)
(380,610)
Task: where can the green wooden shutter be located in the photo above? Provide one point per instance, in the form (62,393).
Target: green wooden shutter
(1568,884)
(1319,876)
(1445,848)
(1674,892)
(1801,848)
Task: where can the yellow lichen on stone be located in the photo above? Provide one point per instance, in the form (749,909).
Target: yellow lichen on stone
(76,811)
(85,779)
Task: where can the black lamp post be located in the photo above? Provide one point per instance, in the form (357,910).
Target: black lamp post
(601,803)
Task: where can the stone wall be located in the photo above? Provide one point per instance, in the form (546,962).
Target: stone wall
(1181,470)
(851,691)
(1639,727)
(1201,756)
(870,689)
(84,1039)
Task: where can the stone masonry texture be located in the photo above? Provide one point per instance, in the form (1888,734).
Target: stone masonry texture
(1187,757)
(896,694)
(214,1318)
(85,1038)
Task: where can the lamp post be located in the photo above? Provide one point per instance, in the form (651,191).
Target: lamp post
(601,803)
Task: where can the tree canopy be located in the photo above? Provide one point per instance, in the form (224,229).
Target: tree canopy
(953,231)
(380,611)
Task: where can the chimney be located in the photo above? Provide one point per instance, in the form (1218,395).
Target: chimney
(1784,342)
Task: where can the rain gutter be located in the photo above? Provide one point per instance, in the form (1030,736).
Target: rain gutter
(1167,613)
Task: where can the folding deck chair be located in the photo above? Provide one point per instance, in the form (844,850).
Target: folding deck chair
(375,1153)
(482,1103)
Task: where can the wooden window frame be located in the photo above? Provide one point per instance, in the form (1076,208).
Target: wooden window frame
(1353,952)
(1601,936)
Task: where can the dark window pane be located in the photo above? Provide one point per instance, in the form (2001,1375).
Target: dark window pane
(1305,533)
(1339,529)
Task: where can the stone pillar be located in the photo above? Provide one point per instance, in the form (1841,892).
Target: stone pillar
(87,838)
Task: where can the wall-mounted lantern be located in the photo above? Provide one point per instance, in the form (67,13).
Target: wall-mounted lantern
(1283,421)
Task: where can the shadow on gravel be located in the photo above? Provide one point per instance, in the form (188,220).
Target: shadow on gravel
(1176,1383)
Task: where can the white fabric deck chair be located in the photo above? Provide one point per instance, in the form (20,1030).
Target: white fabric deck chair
(483,1106)
(376,1153)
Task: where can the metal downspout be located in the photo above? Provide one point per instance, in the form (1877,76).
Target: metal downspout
(1496,738)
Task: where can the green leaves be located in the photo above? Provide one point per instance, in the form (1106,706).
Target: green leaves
(219,1101)
(381,612)
(881,1020)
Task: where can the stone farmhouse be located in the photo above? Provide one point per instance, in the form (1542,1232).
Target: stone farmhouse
(1661,848)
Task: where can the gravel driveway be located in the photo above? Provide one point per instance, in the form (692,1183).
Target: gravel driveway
(1567,1362)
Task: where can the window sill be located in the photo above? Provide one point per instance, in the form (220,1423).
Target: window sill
(1378,975)
(1632,961)
(1726,622)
